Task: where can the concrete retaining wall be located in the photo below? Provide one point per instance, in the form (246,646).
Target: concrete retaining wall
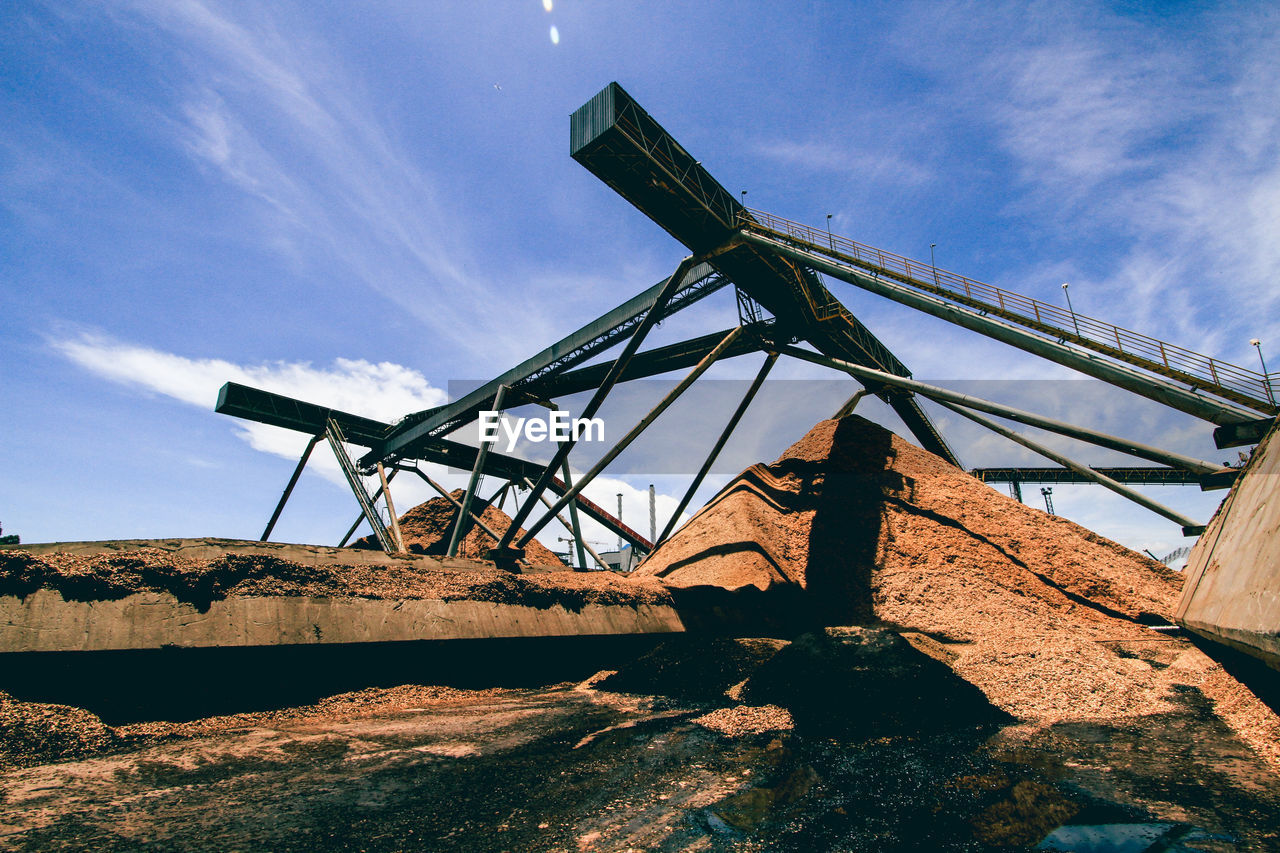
(1232,591)
(45,622)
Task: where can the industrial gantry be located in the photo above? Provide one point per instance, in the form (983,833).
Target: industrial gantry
(776,268)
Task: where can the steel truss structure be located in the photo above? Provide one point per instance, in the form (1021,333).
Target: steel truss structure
(776,268)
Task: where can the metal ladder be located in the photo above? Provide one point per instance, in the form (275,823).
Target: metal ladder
(333,433)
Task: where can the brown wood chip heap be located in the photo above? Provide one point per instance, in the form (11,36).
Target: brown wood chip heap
(1051,621)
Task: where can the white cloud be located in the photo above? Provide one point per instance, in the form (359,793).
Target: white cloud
(383,391)
(1077,115)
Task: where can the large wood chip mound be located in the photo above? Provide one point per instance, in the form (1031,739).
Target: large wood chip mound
(1051,621)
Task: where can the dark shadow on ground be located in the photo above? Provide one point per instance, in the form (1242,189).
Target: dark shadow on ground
(184,684)
(1248,670)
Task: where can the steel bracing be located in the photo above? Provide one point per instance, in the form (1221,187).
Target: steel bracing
(402,441)
(776,268)
(1133,475)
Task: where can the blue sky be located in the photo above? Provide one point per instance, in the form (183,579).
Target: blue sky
(359,203)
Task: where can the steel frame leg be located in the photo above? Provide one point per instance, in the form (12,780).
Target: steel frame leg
(391,508)
(573,519)
(719,445)
(849,405)
(943,396)
(577,535)
(572,491)
(464,511)
(1189,527)
(360,518)
(293,481)
(651,318)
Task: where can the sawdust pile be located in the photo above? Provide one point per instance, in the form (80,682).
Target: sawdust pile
(112,576)
(36,732)
(1048,619)
(427,527)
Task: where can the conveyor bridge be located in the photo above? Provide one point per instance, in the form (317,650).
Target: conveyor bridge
(777,268)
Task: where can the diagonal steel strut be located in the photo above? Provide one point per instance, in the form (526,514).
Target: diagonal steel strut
(626,440)
(674,283)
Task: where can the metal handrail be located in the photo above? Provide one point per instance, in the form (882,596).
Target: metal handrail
(1246,386)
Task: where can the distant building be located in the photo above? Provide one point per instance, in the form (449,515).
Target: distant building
(623,561)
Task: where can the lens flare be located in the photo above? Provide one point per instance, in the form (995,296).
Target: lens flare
(555,35)
(546,4)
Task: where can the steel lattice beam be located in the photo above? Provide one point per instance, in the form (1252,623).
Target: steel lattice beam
(600,334)
(1150,476)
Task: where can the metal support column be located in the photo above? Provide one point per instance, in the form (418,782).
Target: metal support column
(942,395)
(444,493)
(582,545)
(1189,527)
(385,488)
(333,433)
(288,490)
(562,452)
(719,445)
(464,511)
(849,405)
(573,518)
(501,498)
(702,366)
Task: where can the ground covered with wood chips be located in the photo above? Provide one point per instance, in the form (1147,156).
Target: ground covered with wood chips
(966,673)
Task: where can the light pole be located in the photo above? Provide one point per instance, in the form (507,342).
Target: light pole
(1266,380)
(830,240)
(1067,291)
(933,263)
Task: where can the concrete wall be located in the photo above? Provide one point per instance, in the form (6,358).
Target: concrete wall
(1232,591)
(45,622)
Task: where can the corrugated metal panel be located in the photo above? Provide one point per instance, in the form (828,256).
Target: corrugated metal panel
(594,117)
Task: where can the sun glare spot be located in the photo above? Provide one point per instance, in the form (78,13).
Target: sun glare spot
(546,4)
(555,35)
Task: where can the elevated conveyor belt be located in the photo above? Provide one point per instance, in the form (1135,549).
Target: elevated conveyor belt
(1198,372)
(1147,475)
(777,263)
(618,142)
(266,407)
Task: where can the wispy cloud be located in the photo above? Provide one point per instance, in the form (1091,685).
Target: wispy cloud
(1140,145)
(825,156)
(267,109)
(1077,115)
(384,391)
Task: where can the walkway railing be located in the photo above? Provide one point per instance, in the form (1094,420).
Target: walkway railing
(1229,381)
